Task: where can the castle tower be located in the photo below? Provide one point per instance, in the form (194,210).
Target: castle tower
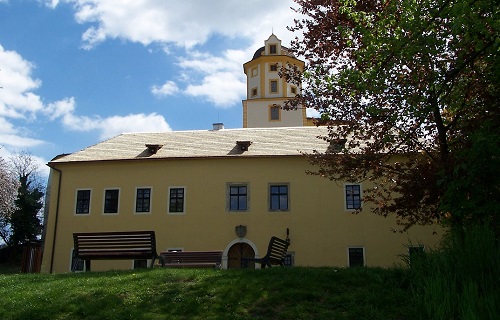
(267,92)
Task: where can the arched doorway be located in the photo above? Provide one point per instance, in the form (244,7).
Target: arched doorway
(237,252)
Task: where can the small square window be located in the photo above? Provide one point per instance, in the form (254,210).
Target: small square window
(254,92)
(352,196)
(356,257)
(274,86)
(143,200)
(111,200)
(293,90)
(273,67)
(82,202)
(255,72)
(278,197)
(176,200)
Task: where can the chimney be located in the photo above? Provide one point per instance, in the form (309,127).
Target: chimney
(218,126)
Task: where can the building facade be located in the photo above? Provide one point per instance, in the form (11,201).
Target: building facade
(195,188)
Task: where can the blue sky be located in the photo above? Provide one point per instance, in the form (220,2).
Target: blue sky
(76,72)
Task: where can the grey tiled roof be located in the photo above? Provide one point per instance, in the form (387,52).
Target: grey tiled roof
(204,143)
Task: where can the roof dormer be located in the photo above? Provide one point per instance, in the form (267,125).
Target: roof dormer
(273,46)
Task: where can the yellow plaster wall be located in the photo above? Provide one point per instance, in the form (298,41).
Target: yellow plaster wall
(320,228)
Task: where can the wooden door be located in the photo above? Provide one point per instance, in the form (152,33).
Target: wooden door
(237,252)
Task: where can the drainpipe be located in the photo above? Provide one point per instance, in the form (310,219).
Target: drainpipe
(57,216)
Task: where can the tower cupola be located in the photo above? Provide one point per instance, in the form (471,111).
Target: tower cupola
(267,91)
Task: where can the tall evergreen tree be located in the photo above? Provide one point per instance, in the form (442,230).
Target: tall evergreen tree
(25,221)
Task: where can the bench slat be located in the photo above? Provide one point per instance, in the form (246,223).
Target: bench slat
(191,259)
(275,255)
(114,246)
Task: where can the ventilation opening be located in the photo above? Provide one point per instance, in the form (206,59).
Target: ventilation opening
(153,148)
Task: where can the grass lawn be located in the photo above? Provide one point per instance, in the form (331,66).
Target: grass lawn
(161,293)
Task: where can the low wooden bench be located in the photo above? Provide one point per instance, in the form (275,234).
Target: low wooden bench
(121,245)
(276,253)
(191,259)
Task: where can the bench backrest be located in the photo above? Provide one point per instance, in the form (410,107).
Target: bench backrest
(192,257)
(119,245)
(277,249)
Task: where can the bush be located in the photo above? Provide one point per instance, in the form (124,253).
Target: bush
(461,279)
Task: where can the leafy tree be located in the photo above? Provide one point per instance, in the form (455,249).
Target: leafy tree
(8,187)
(414,77)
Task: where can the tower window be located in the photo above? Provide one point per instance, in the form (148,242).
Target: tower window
(273,67)
(274,113)
(254,72)
(254,92)
(272,49)
(274,86)
(293,90)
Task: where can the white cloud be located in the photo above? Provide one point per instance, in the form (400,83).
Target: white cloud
(167,89)
(185,23)
(222,89)
(107,127)
(188,25)
(49,3)
(132,123)
(17,99)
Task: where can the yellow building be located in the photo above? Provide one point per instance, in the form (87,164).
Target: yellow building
(193,188)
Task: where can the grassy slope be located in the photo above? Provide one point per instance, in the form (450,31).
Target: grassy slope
(277,293)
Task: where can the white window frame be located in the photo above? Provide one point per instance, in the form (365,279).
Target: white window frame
(150,200)
(104,202)
(356,247)
(183,203)
(76,202)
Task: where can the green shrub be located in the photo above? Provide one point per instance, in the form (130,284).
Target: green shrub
(461,279)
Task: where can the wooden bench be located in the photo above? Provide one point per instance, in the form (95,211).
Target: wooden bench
(276,252)
(121,245)
(191,259)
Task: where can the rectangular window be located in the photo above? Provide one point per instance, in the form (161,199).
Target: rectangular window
(254,92)
(82,202)
(357,257)
(274,113)
(176,201)
(272,49)
(140,264)
(278,195)
(274,86)
(111,200)
(415,253)
(352,196)
(273,67)
(238,198)
(289,259)
(79,265)
(143,200)
(293,90)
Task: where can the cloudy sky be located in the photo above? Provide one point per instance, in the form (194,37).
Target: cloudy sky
(76,72)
